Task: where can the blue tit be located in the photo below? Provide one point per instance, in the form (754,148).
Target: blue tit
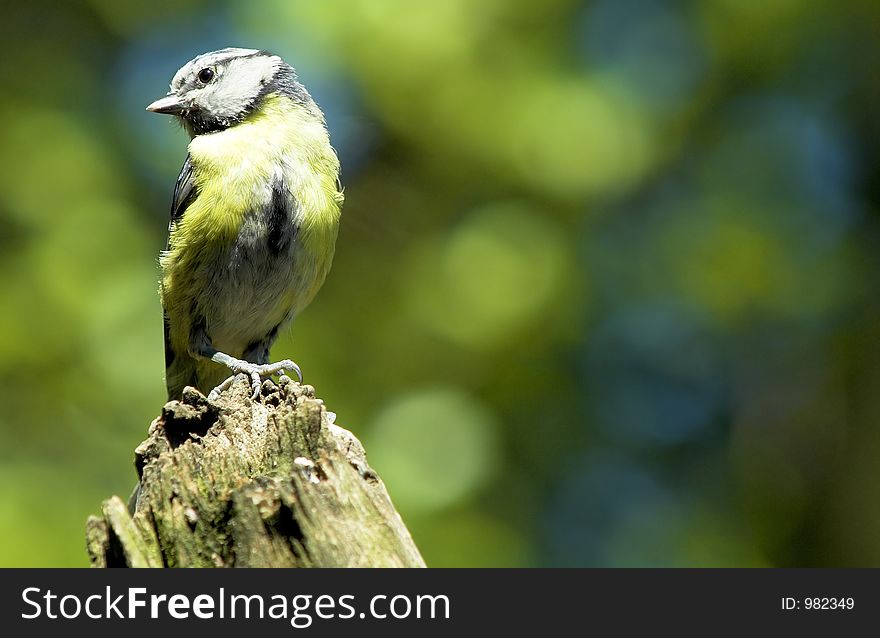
(254,217)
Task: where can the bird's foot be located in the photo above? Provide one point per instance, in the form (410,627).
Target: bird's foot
(256,371)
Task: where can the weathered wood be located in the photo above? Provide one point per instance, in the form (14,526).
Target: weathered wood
(241,483)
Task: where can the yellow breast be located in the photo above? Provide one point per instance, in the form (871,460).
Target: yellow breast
(232,169)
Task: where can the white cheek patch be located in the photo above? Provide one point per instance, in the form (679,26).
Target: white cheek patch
(239,82)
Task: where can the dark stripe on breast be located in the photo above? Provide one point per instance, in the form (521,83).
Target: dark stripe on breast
(279,221)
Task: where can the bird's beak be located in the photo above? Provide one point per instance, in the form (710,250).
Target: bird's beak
(170,105)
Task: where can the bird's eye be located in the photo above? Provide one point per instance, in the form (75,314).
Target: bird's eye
(205,75)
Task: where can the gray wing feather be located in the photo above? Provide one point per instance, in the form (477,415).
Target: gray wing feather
(184,192)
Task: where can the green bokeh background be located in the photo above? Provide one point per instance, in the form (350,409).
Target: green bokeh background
(606,288)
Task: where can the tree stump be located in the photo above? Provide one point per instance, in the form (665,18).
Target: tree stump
(242,483)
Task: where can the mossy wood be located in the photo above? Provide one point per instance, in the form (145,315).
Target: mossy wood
(241,483)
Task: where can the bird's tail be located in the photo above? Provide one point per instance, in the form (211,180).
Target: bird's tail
(180,371)
(180,368)
(203,375)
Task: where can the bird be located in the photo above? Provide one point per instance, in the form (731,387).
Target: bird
(254,217)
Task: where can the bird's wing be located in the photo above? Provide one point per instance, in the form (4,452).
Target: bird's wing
(184,192)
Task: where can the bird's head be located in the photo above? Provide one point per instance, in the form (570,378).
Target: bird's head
(219,89)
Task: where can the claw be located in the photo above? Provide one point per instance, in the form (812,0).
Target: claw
(256,381)
(214,394)
(256,372)
(287,364)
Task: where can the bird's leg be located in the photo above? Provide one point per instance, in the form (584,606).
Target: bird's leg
(256,371)
(256,363)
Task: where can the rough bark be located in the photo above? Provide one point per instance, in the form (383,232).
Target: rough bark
(242,483)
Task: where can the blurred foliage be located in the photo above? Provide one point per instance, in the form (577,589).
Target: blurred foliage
(605,292)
